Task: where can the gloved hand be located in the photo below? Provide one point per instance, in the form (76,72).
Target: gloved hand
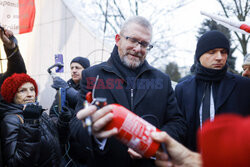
(32,112)
(8,39)
(63,124)
(59,83)
(65,115)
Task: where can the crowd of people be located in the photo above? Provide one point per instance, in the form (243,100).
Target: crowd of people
(203,122)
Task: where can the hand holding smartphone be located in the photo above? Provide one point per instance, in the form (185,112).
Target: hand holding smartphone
(59,59)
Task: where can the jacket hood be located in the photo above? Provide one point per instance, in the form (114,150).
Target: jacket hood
(10,108)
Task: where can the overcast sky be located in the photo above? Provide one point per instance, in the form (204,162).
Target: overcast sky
(189,19)
(184,23)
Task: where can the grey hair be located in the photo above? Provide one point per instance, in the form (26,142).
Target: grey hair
(138,20)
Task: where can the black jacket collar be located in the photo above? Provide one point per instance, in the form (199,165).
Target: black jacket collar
(71,83)
(10,108)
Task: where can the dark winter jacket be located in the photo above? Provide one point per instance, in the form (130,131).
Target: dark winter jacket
(27,144)
(150,96)
(72,84)
(70,101)
(54,114)
(15,64)
(231,95)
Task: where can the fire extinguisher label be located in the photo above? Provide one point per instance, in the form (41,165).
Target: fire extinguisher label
(135,132)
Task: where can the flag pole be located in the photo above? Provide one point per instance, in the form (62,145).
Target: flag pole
(237,25)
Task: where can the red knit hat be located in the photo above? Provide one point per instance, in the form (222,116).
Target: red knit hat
(225,142)
(11,84)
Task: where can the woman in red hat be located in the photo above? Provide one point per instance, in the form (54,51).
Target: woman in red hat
(29,137)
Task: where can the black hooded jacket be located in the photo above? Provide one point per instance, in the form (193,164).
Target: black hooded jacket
(25,144)
(15,64)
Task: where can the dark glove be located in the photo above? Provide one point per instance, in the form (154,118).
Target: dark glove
(32,112)
(71,97)
(63,124)
(65,115)
(59,83)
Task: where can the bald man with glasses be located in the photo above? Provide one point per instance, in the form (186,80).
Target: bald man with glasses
(127,79)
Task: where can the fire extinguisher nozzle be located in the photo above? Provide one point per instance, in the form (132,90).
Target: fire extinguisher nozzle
(88,119)
(89,130)
(88,123)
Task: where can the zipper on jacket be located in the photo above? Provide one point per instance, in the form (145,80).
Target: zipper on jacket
(132,99)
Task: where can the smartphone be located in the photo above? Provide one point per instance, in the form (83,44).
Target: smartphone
(62,99)
(59,59)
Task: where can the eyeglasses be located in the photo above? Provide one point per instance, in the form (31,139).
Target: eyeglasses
(135,42)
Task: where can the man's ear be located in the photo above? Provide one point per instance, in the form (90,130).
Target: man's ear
(117,39)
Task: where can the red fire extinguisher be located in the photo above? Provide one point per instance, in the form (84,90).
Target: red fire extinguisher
(133,131)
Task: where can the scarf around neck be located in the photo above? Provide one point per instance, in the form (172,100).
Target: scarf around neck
(207,74)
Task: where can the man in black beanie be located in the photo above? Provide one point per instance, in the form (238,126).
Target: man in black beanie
(212,90)
(72,86)
(76,66)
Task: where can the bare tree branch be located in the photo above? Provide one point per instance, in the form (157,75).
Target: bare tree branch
(136,8)
(107,21)
(119,10)
(130,7)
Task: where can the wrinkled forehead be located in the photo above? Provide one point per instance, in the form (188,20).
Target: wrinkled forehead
(75,64)
(26,85)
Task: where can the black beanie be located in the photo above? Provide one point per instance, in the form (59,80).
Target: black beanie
(81,60)
(209,41)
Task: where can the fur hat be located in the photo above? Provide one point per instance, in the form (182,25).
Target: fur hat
(211,40)
(225,142)
(246,60)
(81,60)
(11,84)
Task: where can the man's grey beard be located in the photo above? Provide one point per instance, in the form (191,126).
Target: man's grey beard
(133,65)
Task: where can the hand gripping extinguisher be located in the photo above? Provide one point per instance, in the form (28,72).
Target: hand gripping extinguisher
(133,131)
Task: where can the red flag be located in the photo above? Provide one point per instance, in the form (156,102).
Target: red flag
(17,15)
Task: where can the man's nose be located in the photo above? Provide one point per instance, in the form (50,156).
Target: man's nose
(138,47)
(218,56)
(29,93)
